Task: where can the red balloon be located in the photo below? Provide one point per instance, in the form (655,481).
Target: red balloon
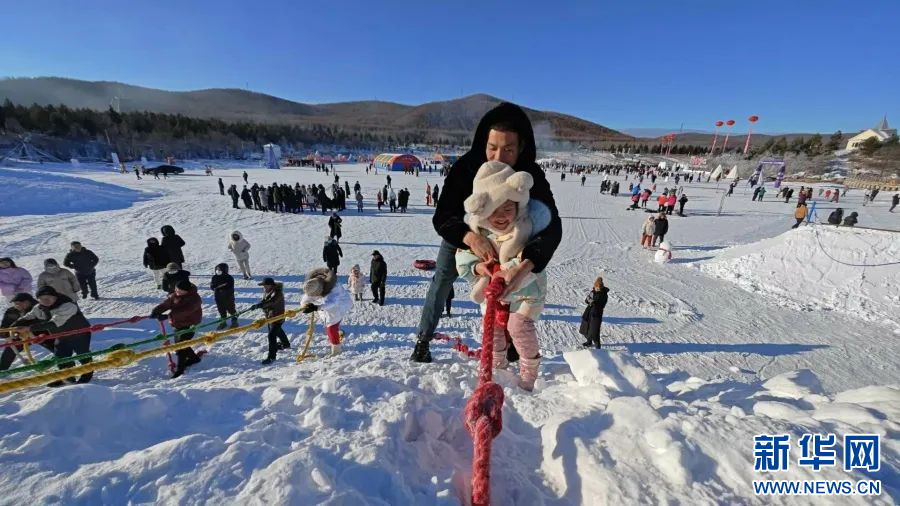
(753,119)
(729,122)
(719,123)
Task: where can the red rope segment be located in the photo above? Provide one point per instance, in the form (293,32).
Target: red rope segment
(484,410)
(93,328)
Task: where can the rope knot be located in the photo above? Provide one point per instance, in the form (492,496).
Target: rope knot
(486,401)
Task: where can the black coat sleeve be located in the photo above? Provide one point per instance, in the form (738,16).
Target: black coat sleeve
(541,247)
(448,215)
(93,258)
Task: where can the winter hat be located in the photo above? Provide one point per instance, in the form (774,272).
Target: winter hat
(319,282)
(47,290)
(494,184)
(184,285)
(267,282)
(51,262)
(172,266)
(223,267)
(22,297)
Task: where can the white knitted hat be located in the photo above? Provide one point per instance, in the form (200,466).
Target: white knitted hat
(494,184)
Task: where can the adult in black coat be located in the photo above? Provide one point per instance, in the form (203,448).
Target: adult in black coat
(156,258)
(222,285)
(174,274)
(503,134)
(592,317)
(331,254)
(84,262)
(173,243)
(378,278)
(836,216)
(21,304)
(334,226)
(221,187)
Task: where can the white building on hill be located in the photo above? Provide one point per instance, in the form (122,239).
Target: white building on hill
(882,132)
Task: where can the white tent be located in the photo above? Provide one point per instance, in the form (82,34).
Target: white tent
(24,151)
(272,156)
(732,174)
(716,173)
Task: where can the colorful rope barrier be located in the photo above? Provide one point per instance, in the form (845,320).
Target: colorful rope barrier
(122,355)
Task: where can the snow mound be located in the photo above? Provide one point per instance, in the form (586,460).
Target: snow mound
(36,192)
(369,427)
(807,269)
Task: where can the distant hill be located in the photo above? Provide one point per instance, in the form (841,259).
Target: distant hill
(452,118)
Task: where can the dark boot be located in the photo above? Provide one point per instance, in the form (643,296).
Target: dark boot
(422,352)
(234,322)
(268,360)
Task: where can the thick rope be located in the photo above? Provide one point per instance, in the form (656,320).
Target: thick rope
(483,415)
(124,356)
(93,328)
(309,335)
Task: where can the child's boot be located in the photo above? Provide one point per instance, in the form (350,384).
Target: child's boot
(528,372)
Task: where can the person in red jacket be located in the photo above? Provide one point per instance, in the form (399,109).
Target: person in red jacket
(185,309)
(670,203)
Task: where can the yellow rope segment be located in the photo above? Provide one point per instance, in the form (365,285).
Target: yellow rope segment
(126,357)
(309,335)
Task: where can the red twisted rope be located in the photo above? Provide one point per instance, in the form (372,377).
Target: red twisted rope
(483,415)
(93,328)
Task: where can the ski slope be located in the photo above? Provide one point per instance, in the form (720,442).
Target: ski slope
(701,355)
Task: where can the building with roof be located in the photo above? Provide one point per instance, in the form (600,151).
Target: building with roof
(882,132)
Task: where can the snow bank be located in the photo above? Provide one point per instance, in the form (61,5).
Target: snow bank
(37,192)
(371,428)
(801,270)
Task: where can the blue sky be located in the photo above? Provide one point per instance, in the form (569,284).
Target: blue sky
(801,65)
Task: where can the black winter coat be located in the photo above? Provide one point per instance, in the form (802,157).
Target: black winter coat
(332,253)
(448,216)
(155,256)
(593,313)
(43,322)
(378,271)
(170,280)
(662,227)
(173,243)
(83,262)
(222,286)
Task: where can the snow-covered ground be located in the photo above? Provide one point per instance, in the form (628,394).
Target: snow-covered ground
(752,329)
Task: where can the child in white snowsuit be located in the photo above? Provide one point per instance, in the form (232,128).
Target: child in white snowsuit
(498,210)
(329,300)
(357,282)
(239,245)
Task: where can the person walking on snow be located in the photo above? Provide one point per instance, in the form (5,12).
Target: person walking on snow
(272,304)
(392,199)
(172,243)
(60,279)
(894,201)
(435,195)
(222,286)
(221,187)
(185,309)
(378,277)
(648,229)
(357,281)
(332,254)
(334,226)
(428,194)
(13,280)
(592,318)
(245,177)
(497,210)
(583,179)
(660,229)
(330,301)
(239,245)
(670,202)
(681,202)
(57,313)
(799,214)
(84,262)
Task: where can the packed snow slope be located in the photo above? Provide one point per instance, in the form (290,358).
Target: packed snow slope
(695,365)
(34,191)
